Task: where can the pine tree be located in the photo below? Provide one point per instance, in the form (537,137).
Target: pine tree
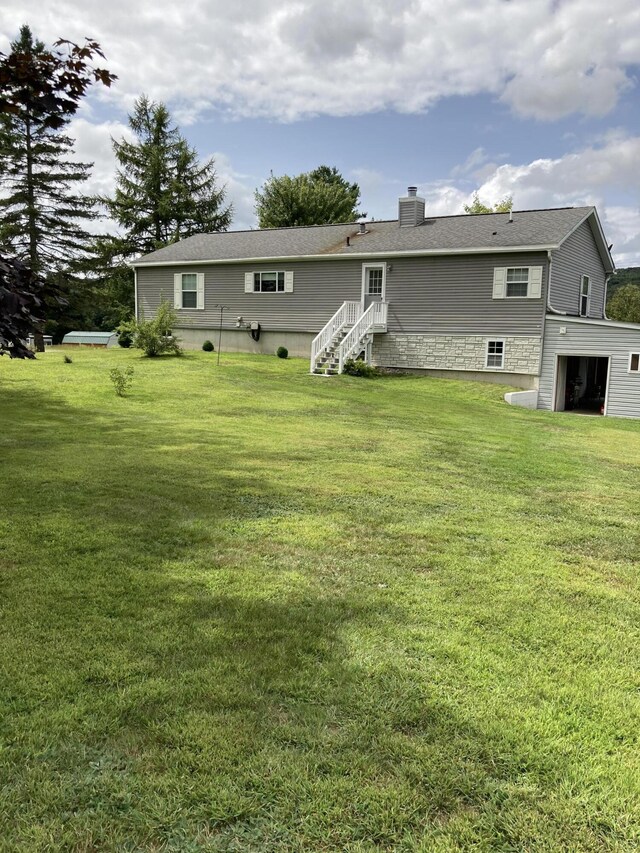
(163,192)
(42,213)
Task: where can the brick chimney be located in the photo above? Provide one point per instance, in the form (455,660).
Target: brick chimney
(410,209)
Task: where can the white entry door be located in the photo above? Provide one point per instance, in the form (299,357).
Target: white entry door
(374,281)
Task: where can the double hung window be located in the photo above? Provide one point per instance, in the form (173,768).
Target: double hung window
(495,354)
(585,293)
(517,282)
(188,290)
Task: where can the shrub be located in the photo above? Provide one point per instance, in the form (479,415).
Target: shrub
(67,359)
(125,339)
(207,346)
(154,336)
(282,352)
(122,379)
(357,367)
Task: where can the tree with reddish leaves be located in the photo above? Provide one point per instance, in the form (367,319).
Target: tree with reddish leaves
(40,90)
(24,298)
(48,85)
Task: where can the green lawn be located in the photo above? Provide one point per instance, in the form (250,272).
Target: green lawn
(248,609)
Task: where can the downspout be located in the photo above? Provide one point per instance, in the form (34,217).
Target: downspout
(549,305)
(544,317)
(135,292)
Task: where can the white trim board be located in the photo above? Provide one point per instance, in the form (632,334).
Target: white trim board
(588,321)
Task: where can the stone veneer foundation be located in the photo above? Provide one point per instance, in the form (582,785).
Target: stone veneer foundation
(455,352)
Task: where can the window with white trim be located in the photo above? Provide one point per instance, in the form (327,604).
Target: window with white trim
(634,362)
(188,290)
(585,295)
(517,282)
(268,282)
(495,354)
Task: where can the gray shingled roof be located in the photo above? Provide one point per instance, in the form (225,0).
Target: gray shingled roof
(442,233)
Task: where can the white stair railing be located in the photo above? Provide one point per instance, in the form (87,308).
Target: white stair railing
(346,315)
(375,315)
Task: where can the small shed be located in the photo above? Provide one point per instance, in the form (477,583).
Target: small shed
(90,339)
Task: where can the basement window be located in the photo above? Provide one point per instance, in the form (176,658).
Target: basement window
(495,355)
(634,362)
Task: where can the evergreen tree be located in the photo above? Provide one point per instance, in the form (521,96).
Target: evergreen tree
(319,197)
(42,213)
(163,192)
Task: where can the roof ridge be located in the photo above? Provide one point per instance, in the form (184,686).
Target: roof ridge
(385,221)
(458,232)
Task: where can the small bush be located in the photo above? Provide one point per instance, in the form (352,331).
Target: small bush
(125,339)
(357,367)
(122,379)
(154,336)
(282,352)
(207,346)
(67,359)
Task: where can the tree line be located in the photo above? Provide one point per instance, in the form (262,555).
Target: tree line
(59,268)
(52,230)
(51,226)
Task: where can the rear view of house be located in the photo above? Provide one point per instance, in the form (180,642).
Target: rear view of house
(509,297)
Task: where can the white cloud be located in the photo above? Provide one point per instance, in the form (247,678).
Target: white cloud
(240,192)
(580,177)
(93,145)
(474,161)
(295,59)
(584,177)
(622,226)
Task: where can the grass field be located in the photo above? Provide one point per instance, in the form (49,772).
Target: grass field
(247,609)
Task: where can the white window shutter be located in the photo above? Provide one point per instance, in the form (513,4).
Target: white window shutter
(535,283)
(177,290)
(200,303)
(248,282)
(499,280)
(288,282)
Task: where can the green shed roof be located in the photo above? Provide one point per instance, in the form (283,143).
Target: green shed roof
(88,337)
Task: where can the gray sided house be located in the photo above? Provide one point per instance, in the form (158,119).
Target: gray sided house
(512,298)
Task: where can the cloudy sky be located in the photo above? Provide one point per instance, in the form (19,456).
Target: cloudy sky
(537,98)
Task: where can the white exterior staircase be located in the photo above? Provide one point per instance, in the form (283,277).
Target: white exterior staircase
(347,334)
